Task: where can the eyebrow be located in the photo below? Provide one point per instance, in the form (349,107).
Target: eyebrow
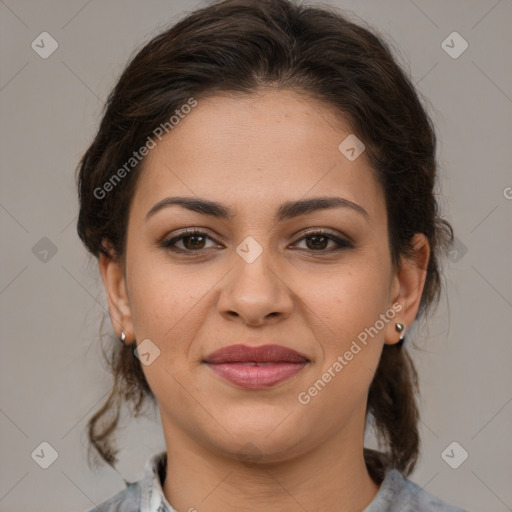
(287,210)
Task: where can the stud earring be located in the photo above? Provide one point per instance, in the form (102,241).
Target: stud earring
(401,329)
(123,335)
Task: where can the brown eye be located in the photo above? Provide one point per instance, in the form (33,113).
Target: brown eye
(318,241)
(195,242)
(192,241)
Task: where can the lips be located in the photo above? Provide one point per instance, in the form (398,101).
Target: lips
(261,354)
(256,367)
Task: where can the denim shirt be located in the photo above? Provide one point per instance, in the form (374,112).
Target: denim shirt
(396,494)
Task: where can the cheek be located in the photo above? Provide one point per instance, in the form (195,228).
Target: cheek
(341,317)
(167,306)
(342,313)
(345,302)
(163,298)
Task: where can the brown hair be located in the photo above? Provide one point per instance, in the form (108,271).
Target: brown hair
(241,46)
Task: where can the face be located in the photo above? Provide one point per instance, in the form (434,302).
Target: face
(263,268)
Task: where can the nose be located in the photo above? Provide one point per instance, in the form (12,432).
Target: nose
(254,293)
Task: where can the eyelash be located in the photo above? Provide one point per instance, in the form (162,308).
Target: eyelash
(342,244)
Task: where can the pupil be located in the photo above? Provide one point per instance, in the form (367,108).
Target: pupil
(193,237)
(316,238)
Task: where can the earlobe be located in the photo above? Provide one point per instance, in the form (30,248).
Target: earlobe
(112,274)
(408,285)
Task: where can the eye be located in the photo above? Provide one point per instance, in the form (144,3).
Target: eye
(316,241)
(192,241)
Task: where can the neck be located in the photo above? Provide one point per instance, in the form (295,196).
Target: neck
(332,476)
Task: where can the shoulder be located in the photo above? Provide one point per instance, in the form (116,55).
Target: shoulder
(127,500)
(400,494)
(145,494)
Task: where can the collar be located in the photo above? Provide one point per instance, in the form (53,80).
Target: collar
(152,497)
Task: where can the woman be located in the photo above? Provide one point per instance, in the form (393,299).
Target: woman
(259,196)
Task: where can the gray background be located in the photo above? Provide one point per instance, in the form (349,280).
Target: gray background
(52,375)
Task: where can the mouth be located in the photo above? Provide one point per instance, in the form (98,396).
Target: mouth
(256,367)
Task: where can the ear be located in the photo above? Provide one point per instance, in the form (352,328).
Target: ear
(112,274)
(407,287)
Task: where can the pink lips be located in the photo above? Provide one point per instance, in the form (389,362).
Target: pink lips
(256,367)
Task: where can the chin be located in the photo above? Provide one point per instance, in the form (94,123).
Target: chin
(262,441)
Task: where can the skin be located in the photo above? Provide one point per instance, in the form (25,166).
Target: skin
(251,153)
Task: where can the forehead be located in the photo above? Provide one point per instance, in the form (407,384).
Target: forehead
(255,149)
